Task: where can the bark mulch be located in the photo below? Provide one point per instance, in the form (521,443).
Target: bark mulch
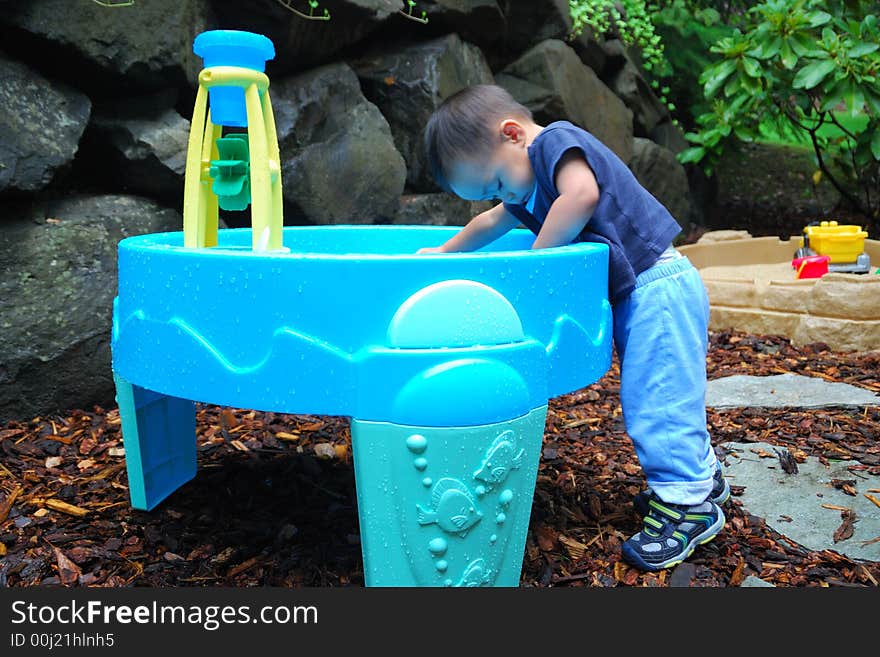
(274,501)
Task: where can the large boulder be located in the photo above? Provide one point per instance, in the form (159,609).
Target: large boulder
(555,84)
(147,45)
(633,89)
(40,126)
(503,30)
(146,155)
(437,210)
(408,84)
(339,163)
(56,299)
(304,44)
(657,169)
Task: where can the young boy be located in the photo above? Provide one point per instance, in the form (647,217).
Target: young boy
(566,186)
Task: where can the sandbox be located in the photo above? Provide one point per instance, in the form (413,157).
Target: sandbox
(752,287)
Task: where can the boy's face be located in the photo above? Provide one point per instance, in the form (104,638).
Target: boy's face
(504,174)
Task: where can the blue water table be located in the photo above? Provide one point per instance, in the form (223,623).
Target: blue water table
(444,362)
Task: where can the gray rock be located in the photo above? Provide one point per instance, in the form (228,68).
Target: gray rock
(437,210)
(56,297)
(40,126)
(670,136)
(150,43)
(792,504)
(339,163)
(301,44)
(149,153)
(504,30)
(634,90)
(662,175)
(408,84)
(784,390)
(555,84)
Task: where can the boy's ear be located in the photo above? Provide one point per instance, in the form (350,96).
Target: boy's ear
(513,130)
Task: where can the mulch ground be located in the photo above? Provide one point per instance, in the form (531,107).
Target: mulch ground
(274,501)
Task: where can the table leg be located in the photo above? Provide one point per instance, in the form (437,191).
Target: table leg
(159,434)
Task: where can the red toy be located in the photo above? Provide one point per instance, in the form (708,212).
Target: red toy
(814,266)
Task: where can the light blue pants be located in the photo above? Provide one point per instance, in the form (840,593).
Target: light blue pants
(661,337)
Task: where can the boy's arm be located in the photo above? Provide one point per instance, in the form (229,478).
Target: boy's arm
(484,228)
(572,209)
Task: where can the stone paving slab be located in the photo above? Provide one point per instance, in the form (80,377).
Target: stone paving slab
(756,582)
(784,390)
(776,496)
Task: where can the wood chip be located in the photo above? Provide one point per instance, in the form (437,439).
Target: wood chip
(872,498)
(579,423)
(282,435)
(68,572)
(6,505)
(575,548)
(64,507)
(240,568)
(845,530)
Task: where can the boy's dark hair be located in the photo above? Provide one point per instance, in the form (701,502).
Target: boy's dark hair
(461,126)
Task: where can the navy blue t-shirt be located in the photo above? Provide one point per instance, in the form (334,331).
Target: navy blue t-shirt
(636,227)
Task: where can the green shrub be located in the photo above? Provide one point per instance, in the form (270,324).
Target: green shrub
(799,68)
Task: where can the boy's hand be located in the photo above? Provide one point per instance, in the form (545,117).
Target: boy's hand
(429,249)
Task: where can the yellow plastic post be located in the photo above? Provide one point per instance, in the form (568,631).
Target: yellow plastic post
(209,212)
(275,240)
(261,198)
(200,205)
(192,175)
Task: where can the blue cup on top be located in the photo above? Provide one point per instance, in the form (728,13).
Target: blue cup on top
(232,48)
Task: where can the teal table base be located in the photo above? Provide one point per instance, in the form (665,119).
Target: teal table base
(446,506)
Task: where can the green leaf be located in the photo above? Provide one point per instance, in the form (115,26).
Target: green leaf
(804,45)
(862,48)
(716,76)
(834,97)
(812,74)
(789,59)
(873,101)
(752,67)
(818,18)
(693,154)
(768,48)
(875,145)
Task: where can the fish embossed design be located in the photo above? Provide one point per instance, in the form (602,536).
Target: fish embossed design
(452,508)
(476,574)
(501,457)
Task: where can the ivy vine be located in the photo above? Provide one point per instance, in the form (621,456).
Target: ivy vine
(630,21)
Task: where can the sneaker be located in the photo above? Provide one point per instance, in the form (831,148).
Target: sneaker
(671,532)
(720,492)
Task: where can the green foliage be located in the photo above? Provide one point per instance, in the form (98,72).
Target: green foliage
(796,66)
(687,32)
(627,19)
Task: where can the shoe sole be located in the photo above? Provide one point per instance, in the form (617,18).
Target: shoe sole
(632,557)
